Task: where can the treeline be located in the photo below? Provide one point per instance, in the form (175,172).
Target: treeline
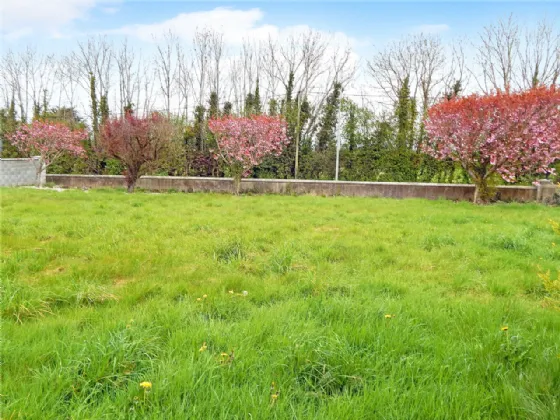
(306,78)
(371,147)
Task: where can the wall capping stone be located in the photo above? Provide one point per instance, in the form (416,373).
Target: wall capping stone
(457,192)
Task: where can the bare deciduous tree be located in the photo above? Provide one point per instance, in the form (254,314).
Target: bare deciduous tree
(420,58)
(96,57)
(68,75)
(339,69)
(202,45)
(184,79)
(165,68)
(146,79)
(457,74)
(128,81)
(429,63)
(497,55)
(391,66)
(539,56)
(12,69)
(217,50)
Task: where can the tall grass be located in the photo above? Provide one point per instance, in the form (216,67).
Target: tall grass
(353,307)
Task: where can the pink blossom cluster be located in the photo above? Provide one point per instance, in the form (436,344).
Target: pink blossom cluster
(135,140)
(246,141)
(508,133)
(48,140)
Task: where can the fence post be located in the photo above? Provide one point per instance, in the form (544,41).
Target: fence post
(545,191)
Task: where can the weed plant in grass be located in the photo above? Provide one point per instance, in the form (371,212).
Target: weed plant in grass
(275,307)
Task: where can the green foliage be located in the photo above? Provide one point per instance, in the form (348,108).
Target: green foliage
(8,124)
(173,158)
(289,90)
(253,105)
(257,106)
(405,112)
(454,91)
(113,167)
(200,128)
(66,115)
(273,107)
(326,135)
(228,106)
(249,108)
(94,108)
(214,106)
(103,109)
(36,111)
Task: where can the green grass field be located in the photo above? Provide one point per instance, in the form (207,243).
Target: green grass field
(356,308)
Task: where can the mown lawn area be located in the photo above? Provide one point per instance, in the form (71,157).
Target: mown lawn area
(355,308)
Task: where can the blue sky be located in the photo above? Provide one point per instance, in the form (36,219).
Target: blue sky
(365,22)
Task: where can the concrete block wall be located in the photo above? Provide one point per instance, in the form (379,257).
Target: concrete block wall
(16,172)
(462,192)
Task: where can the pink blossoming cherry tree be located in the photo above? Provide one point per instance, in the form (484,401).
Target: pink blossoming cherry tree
(243,142)
(49,141)
(509,134)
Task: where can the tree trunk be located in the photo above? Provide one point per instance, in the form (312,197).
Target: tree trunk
(131,176)
(482,192)
(476,197)
(39,168)
(237,183)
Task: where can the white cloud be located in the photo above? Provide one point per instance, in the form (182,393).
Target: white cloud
(26,17)
(236,25)
(431,29)
(18,33)
(110,10)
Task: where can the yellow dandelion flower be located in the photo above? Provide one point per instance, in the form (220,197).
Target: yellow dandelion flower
(198,299)
(274,396)
(231,292)
(224,354)
(504,328)
(388,316)
(146,385)
(203,347)
(204,296)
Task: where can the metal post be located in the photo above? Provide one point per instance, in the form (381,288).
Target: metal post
(337,159)
(338,140)
(298,135)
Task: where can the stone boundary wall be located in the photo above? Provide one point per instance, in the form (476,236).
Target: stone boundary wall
(283,186)
(16,172)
